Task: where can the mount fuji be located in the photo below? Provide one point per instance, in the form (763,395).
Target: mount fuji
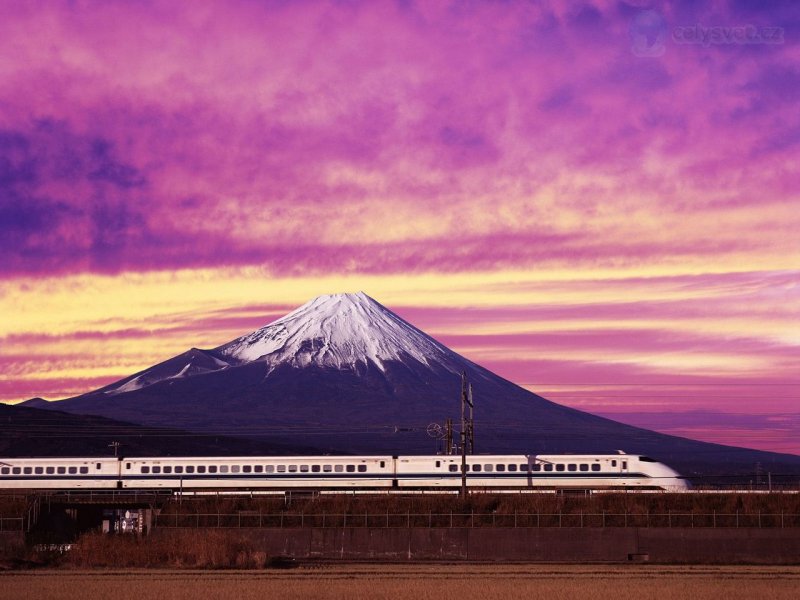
(343,373)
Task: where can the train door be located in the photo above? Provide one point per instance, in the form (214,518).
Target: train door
(531,461)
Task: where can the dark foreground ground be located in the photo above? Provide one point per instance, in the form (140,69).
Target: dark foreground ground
(223,532)
(417,582)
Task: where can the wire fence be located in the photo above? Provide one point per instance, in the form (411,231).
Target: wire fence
(12,524)
(28,517)
(105,496)
(253,519)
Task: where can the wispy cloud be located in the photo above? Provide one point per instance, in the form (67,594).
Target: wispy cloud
(597,198)
(472,136)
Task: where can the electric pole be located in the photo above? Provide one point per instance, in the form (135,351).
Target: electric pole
(448,437)
(466,430)
(471,422)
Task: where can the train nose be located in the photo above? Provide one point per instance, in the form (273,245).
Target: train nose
(678,483)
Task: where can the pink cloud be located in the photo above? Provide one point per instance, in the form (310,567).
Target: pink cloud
(143,137)
(410,137)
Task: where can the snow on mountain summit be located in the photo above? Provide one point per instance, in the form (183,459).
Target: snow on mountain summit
(338,331)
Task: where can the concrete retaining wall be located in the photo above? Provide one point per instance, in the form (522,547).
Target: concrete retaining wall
(749,545)
(667,545)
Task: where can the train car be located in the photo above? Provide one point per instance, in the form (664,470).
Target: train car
(584,471)
(310,472)
(59,473)
(579,471)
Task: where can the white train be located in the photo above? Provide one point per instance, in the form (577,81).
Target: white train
(586,471)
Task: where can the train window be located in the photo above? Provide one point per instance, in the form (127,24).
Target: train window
(223,469)
(17,470)
(488,468)
(247,469)
(212,468)
(351,468)
(50,470)
(537,467)
(438,464)
(39,470)
(315,468)
(454,468)
(647,459)
(84,470)
(501,468)
(190,469)
(98,466)
(73,470)
(167,469)
(512,467)
(179,470)
(613,463)
(383,464)
(362,468)
(572,467)
(27,470)
(201,468)
(559,467)
(258,469)
(304,468)
(338,468)
(61,470)
(235,469)
(584,467)
(548,467)
(327,468)
(128,466)
(595,467)
(145,469)
(292,468)
(6,471)
(523,467)
(281,468)
(624,464)
(156,470)
(476,467)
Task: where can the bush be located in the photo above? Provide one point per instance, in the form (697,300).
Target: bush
(202,549)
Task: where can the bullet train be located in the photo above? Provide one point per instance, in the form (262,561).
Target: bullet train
(566,471)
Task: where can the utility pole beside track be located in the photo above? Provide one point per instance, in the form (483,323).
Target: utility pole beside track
(467,429)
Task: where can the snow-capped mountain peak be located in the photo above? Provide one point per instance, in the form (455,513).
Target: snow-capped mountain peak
(337,331)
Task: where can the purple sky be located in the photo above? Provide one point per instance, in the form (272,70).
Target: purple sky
(597,200)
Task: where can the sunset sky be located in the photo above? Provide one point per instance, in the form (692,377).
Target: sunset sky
(599,201)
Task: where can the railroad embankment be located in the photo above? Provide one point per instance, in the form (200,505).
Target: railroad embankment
(242,532)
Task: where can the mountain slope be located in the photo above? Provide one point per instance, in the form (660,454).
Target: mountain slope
(26,431)
(344,373)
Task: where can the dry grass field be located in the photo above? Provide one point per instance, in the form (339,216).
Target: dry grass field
(417,582)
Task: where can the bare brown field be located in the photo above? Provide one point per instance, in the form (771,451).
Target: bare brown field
(417,582)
